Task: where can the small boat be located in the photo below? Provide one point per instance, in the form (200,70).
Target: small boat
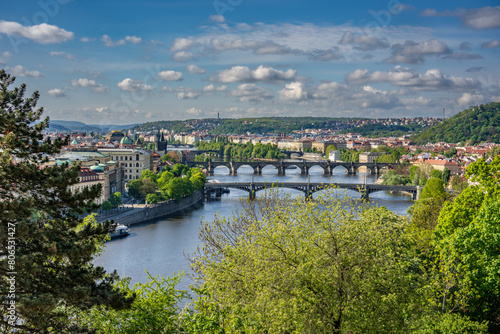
(120,232)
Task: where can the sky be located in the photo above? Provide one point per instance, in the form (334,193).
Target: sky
(127,62)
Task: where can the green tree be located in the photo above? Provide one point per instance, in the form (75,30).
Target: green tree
(152,198)
(45,244)
(134,188)
(148,187)
(116,199)
(155,309)
(106,206)
(323,266)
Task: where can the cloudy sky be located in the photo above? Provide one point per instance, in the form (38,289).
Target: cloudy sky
(122,62)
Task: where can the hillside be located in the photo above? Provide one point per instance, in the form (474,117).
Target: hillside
(70,126)
(474,125)
(253,125)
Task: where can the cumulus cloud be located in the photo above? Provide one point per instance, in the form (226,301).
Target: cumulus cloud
(258,47)
(88,83)
(217,18)
(133,85)
(188,95)
(261,74)
(181,44)
(170,75)
(491,44)
(213,88)
(56,92)
(62,54)
(193,111)
(364,42)
(87,39)
(432,80)
(106,39)
(22,71)
(475,18)
(294,91)
(5,56)
(133,39)
(468,99)
(251,93)
(183,56)
(414,53)
(193,69)
(41,33)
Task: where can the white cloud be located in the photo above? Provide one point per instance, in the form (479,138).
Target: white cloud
(5,56)
(481,18)
(42,33)
(88,83)
(491,44)
(364,42)
(193,111)
(133,39)
(213,88)
(56,92)
(187,95)
(133,86)
(294,91)
(468,99)
(21,71)
(181,44)
(170,75)
(62,54)
(87,39)
(110,43)
(251,93)
(193,69)
(414,53)
(217,18)
(431,80)
(183,56)
(261,74)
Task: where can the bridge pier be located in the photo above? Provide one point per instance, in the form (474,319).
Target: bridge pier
(352,170)
(257,170)
(327,170)
(416,195)
(304,170)
(281,170)
(365,193)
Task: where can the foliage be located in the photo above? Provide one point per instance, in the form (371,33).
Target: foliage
(476,124)
(495,151)
(323,266)
(450,323)
(467,250)
(170,156)
(349,155)
(381,130)
(393,178)
(106,206)
(152,198)
(115,199)
(155,309)
(248,150)
(45,245)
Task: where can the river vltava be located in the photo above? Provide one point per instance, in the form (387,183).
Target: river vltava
(160,247)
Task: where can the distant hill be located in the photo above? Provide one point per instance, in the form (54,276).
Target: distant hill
(474,125)
(79,126)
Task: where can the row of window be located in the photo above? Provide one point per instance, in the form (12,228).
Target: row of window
(132,165)
(131,177)
(88,178)
(126,157)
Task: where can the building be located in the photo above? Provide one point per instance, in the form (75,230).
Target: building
(133,161)
(86,179)
(115,136)
(442,164)
(369,157)
(334,156)
(160,144)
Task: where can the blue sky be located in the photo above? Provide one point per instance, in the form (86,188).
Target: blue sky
(123,62)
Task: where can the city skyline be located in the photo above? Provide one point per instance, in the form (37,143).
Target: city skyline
(128,62)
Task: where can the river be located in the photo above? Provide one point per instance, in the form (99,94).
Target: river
(160,247)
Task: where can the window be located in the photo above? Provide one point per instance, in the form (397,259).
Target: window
(137,157)
(126,157)
(137,165)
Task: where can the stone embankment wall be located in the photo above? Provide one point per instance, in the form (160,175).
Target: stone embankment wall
(156,211)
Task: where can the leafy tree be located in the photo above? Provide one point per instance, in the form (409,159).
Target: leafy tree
(106,206)
(148,187)
(134,188)
(116,199)
(45,244)
(169,157)
(152,198)
(155,309)
(322,266)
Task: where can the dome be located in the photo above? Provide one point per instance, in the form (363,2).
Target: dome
(97,169)
(102,165)
(126,141)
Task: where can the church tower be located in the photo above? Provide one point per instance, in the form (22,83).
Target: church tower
(160,143)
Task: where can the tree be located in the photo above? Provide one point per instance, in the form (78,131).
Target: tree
(152,198)
(155,309)
(323,266)
(106,206)
(116,199)
(46,247)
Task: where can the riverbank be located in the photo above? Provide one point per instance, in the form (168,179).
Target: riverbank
(142,213)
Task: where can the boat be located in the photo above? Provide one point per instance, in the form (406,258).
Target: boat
(120,232)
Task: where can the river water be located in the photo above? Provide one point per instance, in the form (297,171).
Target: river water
(160,247)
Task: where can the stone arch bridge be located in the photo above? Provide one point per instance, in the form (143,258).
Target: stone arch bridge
(282,165)
(310,187)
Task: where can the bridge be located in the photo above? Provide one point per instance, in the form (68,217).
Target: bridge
(282,165)
(310,187)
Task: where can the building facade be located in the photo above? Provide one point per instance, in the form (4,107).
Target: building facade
(133,161)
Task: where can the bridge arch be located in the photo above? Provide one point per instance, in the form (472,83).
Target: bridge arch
(364,169)
(316,169)
(221,169)
(339,169)
(247,169)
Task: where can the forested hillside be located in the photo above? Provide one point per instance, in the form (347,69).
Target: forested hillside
(473,125)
